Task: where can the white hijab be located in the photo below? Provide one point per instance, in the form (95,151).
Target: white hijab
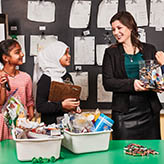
(48,60)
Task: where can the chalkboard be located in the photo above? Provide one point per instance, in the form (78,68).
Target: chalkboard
(17,16)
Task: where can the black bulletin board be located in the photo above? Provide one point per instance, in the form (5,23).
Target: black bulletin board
(17,16)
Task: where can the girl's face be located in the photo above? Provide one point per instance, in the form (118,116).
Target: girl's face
(16,56)
(121,32)
(65,60)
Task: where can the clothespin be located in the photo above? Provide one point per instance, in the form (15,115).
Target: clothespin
(78,70)
(82,36)
(14,37)
(43,35)
(40,1)
(133,1)
(107,37)
(108,1)
(79,2)
(160,1)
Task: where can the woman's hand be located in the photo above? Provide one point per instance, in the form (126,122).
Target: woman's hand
(138,86)
(160,57)
(70,104)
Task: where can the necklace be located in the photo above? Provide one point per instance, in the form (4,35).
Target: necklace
(10,74)
(131,58)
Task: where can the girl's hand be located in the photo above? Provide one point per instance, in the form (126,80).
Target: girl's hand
(138,86)
(70,104)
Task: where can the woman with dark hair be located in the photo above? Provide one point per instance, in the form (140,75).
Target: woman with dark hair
(135,110)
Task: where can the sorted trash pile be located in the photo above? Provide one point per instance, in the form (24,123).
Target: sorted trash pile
(86,122)
(138,150)
(151,76)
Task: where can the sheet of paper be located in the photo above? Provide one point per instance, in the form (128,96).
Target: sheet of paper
(102,95)
(100,50)
(38,42)
(21,40)
(41,11)
(2,31)
(0,6)
(81,79)
(142,34)
(84,50)
(107,8)
(80,14)
(161,97)
(1,66)
(156,13)
(138,8)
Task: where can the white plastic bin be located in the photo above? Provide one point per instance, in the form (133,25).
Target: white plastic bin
(29,148)
(86,142)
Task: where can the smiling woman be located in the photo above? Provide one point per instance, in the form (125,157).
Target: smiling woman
(135,110)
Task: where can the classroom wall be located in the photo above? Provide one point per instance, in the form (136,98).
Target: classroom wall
(17,16)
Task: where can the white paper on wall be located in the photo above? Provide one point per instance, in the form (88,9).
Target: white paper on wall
(102,95)
(38,42)
(81,79)
(161,97)
(84,50)
(2,31)
(100,50)
(41,11)
(156,13)
(21,40)
(0,7)
(138,8)
(106,10)
(142,34)
(1,66)
(80,14)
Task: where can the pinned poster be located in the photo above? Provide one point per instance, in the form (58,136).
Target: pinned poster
(41,11)
(81,79)
(0,6)
(138,8)
(84,50)
(161,97)
(2,31)
(39,42)
(106,10)
(156,14)
(80,14)
(100,50)
(1,66)
(21,40)
(142,34)
(102,95)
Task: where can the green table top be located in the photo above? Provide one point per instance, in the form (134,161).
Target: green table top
(114,155)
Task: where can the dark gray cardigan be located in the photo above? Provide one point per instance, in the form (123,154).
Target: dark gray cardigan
(116,80)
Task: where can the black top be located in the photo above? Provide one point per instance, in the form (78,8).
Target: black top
(115,78)
(49,110)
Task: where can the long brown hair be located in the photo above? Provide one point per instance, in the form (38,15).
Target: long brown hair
(127,20)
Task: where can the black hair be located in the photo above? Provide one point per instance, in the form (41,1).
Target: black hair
(5,47)
(128,20)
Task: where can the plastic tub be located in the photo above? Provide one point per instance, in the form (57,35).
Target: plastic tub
(29,148)
(86,142)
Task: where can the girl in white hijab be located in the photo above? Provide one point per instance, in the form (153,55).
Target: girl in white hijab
(52,61)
